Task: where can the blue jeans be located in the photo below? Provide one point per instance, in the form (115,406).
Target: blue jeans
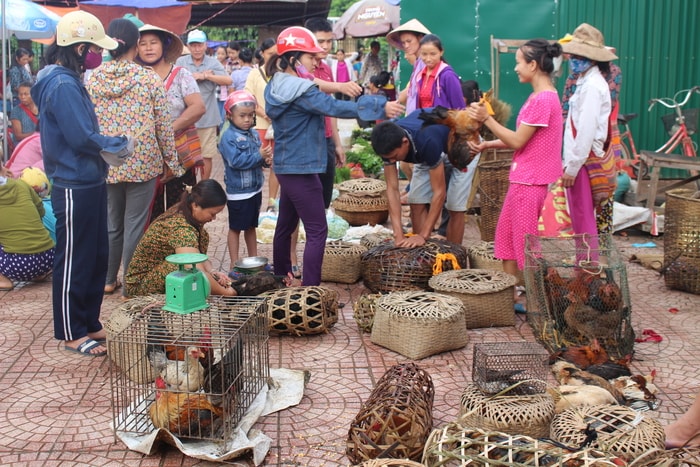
(301,197)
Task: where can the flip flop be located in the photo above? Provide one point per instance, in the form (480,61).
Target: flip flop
(5,288)
(85,348)
(519,308)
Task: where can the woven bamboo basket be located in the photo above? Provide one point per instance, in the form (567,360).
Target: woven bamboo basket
(493,171)
(388,268)
(396,419)
(682,241)
(362,201)
(686,457)
(419,324)
(122,319)
(528,415)
(371,240)
(457,444)
(341,262)
(302,310)
(391,462)
(620,430)
(487,295)
(481,256)
(364,309)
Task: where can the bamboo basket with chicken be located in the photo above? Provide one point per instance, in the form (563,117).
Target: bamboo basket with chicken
(208,368)
(577,292)
(458,444)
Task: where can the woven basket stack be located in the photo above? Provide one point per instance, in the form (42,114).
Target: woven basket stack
(396,418)
(362,201)
(419,324)
(487,295)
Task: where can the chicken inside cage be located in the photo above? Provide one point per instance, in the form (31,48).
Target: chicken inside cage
(197,374)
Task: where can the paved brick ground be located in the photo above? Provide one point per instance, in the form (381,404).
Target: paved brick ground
(55,406)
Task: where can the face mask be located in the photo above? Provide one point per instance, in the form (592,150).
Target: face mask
(92,60)
(302,71)
(579,65)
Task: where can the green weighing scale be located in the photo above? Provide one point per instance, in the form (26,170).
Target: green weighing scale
(187,289)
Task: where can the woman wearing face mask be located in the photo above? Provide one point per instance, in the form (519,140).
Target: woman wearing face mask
(74,159)
(297,109)
(586,130)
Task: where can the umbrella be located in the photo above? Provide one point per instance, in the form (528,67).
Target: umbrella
(27,20)
(367,18)
(168,14)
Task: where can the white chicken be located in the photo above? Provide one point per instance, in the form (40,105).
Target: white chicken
(567,396)
(187,375)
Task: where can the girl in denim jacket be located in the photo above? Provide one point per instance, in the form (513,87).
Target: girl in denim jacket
(244,159)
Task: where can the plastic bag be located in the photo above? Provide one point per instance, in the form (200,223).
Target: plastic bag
(555,220)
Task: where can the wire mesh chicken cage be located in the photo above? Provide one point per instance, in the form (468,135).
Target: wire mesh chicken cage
(577,293)
(208,367)
(512,368)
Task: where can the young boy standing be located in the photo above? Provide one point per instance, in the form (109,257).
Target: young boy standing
(244,159)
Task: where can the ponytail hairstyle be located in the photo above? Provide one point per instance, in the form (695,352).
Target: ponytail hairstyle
(205,194)
(65,56)
(125,33)
(542,52)
(282,62)
(264,45)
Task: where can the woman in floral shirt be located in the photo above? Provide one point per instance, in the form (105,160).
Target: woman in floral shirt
(179,230)
(158,49)
(130,99)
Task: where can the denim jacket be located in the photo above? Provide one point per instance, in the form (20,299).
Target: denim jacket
(297,107)
(242,160)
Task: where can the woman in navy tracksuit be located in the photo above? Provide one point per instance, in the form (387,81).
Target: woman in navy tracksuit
(297,107)
(73,148)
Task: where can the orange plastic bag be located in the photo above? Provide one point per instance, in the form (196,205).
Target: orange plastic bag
(555,220)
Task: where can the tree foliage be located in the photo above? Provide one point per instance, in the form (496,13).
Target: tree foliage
(338,7)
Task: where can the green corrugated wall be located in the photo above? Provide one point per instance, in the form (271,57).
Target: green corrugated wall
(657,41)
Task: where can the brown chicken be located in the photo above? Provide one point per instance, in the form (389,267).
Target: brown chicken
(184,415)
(582,356)
(585,321)
(463,129)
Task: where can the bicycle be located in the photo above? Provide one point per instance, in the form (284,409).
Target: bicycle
(680,125)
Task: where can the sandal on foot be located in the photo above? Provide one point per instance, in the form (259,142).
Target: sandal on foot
(296,272)
(86,347)
(519,308)
(110,288)
(7,288)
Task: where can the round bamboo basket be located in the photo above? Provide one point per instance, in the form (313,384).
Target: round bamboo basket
(620,430)
(362,201)
(528,415)
(487,295)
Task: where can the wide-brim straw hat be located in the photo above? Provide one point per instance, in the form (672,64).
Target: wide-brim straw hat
(394,36)
(587,41)
(172,50)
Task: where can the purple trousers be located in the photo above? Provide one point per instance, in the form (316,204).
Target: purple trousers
(301,197)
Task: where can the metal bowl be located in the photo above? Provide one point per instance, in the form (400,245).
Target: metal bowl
(251,264)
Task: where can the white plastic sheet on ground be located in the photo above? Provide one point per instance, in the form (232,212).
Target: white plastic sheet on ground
(626,216)
(286,388)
